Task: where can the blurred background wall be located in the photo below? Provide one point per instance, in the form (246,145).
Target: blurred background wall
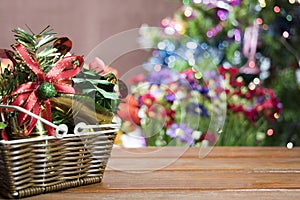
(86,22)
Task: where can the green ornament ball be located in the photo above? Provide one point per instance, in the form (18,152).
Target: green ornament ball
(46,90)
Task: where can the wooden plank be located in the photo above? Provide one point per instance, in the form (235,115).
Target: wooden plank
(197,180)
(179,164)
(177,173)
(233,152)
(174,194)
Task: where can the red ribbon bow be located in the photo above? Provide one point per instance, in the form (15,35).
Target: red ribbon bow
(58,76)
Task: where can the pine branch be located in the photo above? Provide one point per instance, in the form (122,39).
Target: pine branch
(39,45)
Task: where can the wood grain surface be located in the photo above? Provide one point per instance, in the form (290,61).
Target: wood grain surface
(184,173)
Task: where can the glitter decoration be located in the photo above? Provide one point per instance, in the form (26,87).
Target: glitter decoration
(188,12)
(292,1)
(46,90)
(270,132)
(276,9)
(259,21)
(285,34)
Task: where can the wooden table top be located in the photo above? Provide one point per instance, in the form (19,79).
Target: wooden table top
(194,173)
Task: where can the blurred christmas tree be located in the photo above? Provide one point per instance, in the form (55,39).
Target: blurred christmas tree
(260,37)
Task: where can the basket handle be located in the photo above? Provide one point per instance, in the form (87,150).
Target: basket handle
(60,130)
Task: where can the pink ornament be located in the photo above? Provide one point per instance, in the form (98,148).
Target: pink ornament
(249,49)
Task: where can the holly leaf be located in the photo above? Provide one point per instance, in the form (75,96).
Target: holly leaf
(105,94)
(2,125)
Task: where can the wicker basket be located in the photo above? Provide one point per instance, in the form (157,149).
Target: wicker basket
(39,165)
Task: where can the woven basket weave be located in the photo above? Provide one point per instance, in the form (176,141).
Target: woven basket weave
(45,164)
(51,164)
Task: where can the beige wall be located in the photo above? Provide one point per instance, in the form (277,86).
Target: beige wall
(86,22)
